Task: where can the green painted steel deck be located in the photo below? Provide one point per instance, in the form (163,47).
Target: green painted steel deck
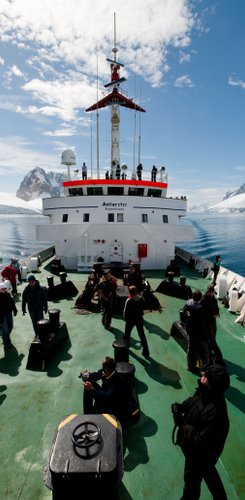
(32,402)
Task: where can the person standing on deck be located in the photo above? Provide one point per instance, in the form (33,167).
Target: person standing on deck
(133,316)
(84,171)
(202,424)
(154,173)
(107,289)
(9,273)
(211,312)
(216,268)
(139,171)
(7,308)
(35,298)
(135,278)
(197,335)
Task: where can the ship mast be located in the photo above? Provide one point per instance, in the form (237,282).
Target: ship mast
(115,99)
(115,111)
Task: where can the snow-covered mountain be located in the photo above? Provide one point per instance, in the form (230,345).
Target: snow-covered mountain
(230,194)
(232,204)
(10,204)
(39,184)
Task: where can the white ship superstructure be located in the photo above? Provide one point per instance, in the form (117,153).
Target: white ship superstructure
(121,218)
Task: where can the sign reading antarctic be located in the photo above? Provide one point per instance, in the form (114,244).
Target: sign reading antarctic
(114,205)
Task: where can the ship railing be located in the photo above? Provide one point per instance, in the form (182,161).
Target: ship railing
(233,279)
(41,257)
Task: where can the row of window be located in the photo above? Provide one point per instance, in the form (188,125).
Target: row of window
(115,191)
(116,218)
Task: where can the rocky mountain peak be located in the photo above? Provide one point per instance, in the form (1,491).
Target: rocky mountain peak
(38,184)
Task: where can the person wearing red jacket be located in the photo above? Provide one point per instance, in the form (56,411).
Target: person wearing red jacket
(9,273)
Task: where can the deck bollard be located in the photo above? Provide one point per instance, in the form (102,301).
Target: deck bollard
(54,318)
(50,280)
(62,276)
(170,276)
(182,280)
(121,350)
(44,330)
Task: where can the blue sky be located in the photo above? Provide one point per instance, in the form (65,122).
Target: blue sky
(184,63)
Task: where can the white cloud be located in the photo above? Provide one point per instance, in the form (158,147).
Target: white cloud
(183,81)
(14,70)
(235,82)
(21,157)
(1,61)
(65,31)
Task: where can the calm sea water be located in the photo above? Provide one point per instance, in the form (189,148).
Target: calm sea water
(213,234)
(18,236)
(219,234)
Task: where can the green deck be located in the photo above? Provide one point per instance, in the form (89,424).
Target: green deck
(33,402)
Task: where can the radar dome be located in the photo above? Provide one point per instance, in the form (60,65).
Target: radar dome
(68,157)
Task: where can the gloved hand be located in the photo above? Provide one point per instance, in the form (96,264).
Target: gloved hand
(176,409)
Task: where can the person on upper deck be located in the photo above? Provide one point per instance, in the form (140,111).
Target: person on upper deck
(84,171)
(118,171)
(154,173)
(139,171)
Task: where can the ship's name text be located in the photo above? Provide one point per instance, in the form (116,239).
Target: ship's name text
(117,205)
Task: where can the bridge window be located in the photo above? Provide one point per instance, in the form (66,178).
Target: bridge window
(85,217)
(110,217)
(156,193)
(115,191)
(95,191)
(144,217)
(165,219)
(134,191)
(119,217)
(75,192)
(65,218)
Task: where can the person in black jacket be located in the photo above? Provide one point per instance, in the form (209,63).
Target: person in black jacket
(110,396)
(211,312)
(216,268)
(133,316)
(35,297)
(107,289)
(197,333)
(7,308)
(203,425)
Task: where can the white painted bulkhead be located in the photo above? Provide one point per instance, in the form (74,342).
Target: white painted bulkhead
(134,221)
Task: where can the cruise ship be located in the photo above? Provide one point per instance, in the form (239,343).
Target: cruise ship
(119,215)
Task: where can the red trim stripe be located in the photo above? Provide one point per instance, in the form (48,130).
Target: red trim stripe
(115,182)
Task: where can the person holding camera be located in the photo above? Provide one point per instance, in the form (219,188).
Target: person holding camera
(202,425)
(110,396)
